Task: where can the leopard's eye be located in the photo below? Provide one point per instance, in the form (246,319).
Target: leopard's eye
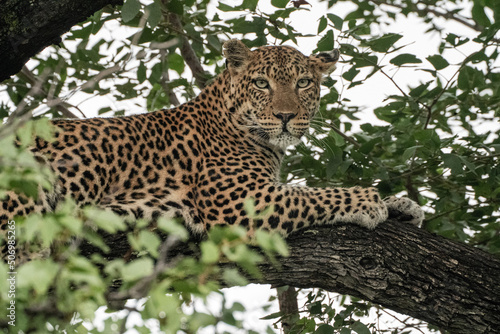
(261,83)
(303,83)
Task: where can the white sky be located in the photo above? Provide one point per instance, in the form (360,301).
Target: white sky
(370,94)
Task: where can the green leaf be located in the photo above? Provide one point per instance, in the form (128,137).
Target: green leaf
(453,162)
(250,4)
(438,62)
(456,40)
(364,59)
(176,63)
(233,277)
(104,110)
(145,240)
(326,42)
(141,73)
(409,152)
(350,74)
(83,33)
(130,9)
(419,90)
(322,24)
(225,8)
(324,329)
(470,78)
(479,15)
(237,307)
(405,58)
(156,73)
(176,6)
(137,269)
(214,42)
(280,245)
(272,316)
(471,166)
(27,187)
(25,135)
(249,206)
(279,3)
(315,308)
(154,12)
(384,43)
(105,219)
(171,226)
(463,80)
(37,274)
(199,320)
(360,328)
(209,252)
(264,240)
(336,21)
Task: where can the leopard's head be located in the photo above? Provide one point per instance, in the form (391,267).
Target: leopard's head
(275,90)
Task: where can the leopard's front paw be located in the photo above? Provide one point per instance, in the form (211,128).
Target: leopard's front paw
(404,209)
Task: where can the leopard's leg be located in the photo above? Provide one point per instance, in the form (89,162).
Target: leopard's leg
(14,205)
(296,207)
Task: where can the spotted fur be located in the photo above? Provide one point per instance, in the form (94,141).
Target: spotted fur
(204,159)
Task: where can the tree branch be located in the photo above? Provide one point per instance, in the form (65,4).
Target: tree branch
(396,265)
(448,15)
(188,53)
(401,267)
(26,27)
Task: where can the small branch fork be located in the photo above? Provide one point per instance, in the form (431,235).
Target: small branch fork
(449,15)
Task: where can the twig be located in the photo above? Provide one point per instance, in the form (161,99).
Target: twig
(101,75)
(56,103)
(343,135)
(447,15)
(435,100)
(20,116)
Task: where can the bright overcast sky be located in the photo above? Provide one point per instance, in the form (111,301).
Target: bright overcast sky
(369,95)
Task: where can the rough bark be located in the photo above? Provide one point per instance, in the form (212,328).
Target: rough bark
(26,27)
(287,298)
(187,52)
(399,266)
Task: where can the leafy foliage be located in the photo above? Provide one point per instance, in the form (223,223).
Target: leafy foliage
(436,140)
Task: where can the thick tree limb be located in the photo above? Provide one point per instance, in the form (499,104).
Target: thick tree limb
(401,267)
(26,27)
(397,265)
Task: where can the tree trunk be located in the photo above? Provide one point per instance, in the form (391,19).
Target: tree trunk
(399,266)
(26,27)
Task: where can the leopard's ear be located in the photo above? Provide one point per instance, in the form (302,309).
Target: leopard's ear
(325,62)
(237,55)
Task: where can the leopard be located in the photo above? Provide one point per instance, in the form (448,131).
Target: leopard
(203,159)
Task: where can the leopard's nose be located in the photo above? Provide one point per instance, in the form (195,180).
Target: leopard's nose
(285,117)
